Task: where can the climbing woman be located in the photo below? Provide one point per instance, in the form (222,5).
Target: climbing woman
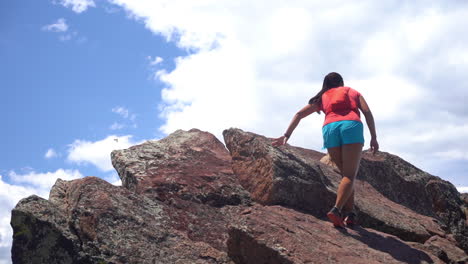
(342,136)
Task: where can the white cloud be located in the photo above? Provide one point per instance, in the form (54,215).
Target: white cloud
(42,182)
(77,6)
(114,179)
(155,61)
(98,153)
(462,189)
(453,154)
(116,126)
(50,154)
(59,26)
(117,182)
(125,114)
(122,111)
(9,196)
(254,64)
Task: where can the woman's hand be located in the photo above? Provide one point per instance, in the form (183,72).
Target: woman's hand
(305,111)
(374,145)
(279,141)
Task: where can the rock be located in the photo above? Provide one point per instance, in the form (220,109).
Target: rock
(91,221)
(287,176)
(191,165)
(201,222)
(369,199)
(449,210)
(417,190)
(327,161)
(274,234)
(376,211)
(296,178)
(185,199)
(191,172)
(41,235)
(447,245)
(464,197)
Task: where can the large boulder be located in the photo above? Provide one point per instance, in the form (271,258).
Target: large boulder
(91,221)
(375,210)
(417,190)
(295,177)
(378,212)
(446,246)
(191,172)
(289,176)
(279,235)
(192,165)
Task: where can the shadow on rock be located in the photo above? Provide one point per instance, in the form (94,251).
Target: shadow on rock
(394,247)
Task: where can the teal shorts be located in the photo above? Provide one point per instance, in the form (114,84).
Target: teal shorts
(342,132)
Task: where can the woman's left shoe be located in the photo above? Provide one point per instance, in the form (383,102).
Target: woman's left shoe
(335,216)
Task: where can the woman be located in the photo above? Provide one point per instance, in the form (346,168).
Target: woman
(342,136)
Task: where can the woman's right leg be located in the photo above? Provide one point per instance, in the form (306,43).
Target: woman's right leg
(351,157)
(336,157)
(349,205)
(335,214)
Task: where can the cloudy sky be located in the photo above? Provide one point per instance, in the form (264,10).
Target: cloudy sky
(80,78)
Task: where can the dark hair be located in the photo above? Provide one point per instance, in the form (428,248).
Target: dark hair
(332,80)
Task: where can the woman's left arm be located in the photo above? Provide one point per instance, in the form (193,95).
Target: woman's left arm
(305,111)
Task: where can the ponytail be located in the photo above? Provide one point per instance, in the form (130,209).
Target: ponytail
(331,80)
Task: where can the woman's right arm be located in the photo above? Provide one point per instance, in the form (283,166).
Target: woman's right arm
(370,123)
(305,111)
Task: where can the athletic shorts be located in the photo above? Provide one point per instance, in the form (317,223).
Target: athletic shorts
(342,132)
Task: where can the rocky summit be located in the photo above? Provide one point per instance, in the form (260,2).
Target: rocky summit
(188,198)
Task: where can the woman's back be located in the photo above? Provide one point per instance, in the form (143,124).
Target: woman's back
(335,109)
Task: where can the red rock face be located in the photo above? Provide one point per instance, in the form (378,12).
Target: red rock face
(447,246)
(296,178)
(187,199)
(374,208)
(91,221)
(189,171)
(286,176)
(274,234)
(417,190)
(191,165)
(377,211)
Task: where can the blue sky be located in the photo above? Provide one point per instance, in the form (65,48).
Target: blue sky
(82,77)
(57,91)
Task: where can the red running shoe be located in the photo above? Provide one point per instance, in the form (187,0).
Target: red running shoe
(335,216)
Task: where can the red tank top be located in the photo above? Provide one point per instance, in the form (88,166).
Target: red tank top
(351,113)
